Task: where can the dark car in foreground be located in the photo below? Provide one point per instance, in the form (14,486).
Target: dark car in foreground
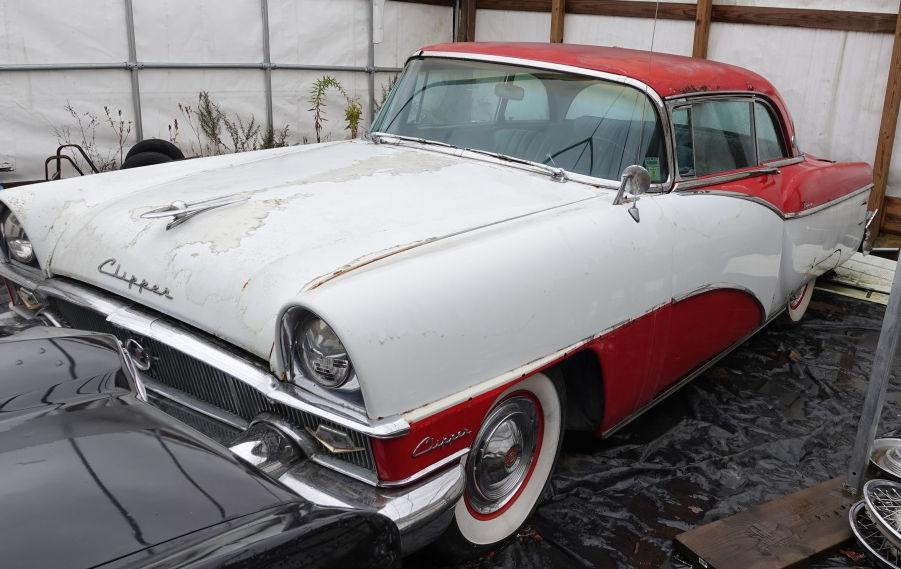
(93,475)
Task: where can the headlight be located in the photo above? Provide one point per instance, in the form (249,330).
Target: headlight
(15,241)
(321,354)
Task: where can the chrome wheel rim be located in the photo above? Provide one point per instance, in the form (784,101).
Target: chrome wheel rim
(503,454)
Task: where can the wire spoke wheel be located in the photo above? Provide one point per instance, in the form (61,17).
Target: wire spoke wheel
(871,539)
(882,499)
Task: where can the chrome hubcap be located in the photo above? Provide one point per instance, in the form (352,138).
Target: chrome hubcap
(503,453)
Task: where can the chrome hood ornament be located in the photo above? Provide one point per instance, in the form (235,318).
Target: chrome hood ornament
(181,212)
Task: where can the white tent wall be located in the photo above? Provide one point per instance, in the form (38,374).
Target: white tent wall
(833,81)
(322,33)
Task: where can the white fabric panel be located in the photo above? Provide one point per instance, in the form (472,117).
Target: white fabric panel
(409,27)
(833,83)
(235,91)
(33,103)
(506,25)
(62,31)
(291,104)
(303,31)
(671,36)
(207,31)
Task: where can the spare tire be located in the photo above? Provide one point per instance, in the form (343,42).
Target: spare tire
(145,159)
(156,145)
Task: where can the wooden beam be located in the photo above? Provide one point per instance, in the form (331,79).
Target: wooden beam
(870,22)
(786,532)
(887,128)
(466,25)
(804,18)
(558,12)
(702,29)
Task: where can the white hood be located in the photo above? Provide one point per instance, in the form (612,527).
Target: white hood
(310,212)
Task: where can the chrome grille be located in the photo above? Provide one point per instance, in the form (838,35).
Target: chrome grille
(206,383)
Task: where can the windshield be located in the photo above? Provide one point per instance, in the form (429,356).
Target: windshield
(582,124)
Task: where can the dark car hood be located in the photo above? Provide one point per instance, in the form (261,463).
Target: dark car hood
(90,473)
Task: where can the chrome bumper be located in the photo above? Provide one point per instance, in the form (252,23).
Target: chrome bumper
(422,511)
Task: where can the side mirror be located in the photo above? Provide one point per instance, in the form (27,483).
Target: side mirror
(636,180)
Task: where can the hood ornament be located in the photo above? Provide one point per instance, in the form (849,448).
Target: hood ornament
(181,212)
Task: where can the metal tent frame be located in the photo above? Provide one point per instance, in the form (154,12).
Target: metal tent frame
(134,66)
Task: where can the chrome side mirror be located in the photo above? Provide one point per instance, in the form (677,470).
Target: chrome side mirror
(636,180)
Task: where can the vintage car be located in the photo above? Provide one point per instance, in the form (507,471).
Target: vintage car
(93,475)
(532,238)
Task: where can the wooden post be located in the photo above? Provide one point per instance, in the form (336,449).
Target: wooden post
(558,12)
(702,28)
(466,27)
(887,128)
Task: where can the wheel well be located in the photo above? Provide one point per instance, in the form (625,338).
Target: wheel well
(581,374)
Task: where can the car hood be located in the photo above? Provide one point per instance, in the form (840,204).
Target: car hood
(308,214)
(91,473)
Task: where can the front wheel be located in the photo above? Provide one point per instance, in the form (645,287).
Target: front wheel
(508,467)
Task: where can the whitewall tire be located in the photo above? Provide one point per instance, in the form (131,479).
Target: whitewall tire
(798,302)
(508,467)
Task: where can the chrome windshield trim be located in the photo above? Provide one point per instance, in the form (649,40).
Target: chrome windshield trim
(132,317)
(662,111)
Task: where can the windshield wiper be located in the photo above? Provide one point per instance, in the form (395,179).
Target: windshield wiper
(557,174)
(383,137)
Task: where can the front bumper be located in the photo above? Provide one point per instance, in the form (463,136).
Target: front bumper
(421,511)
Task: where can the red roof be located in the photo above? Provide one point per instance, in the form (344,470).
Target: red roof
(666,74)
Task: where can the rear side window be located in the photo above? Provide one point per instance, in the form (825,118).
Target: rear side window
(769,144)
(719,136)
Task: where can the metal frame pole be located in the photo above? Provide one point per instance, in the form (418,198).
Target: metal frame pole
(370,63)
(879,378)
(132,64)
(267,63)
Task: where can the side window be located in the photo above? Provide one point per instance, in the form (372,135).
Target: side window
(769,145)
(721,137)
(533,106)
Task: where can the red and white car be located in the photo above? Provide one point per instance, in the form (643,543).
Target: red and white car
(532,238)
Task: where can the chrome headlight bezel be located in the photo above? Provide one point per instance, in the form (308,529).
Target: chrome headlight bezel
(11,231)
(347,394)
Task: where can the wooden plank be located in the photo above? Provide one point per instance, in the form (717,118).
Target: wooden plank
(867,272)
(558,13)
(466,26)
(805,18)
(786,532)
(702,29)
(872,22)
(887,128)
